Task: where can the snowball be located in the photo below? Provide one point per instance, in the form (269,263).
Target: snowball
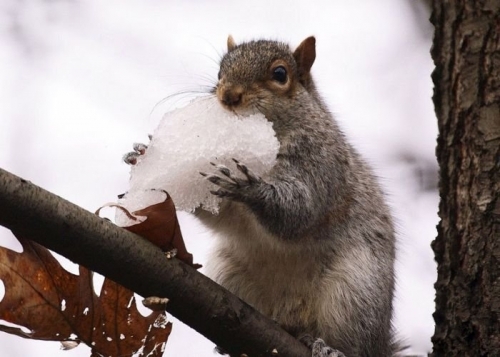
(185,143)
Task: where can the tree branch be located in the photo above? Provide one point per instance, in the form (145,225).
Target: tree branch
(141,267)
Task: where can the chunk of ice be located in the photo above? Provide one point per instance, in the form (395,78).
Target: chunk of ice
(185,143)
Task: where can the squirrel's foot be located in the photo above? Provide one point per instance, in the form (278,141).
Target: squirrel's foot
(319,347)
(233,186)
(130,158)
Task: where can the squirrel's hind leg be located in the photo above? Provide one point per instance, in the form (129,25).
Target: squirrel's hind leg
(320,348)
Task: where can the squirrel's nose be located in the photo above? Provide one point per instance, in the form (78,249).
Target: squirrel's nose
(231,98)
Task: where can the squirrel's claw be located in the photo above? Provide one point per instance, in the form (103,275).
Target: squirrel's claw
(251,177)
(320,349)
(140,148)
(221,193)
(131,158)
(224,170)
(230,185)
(219,181)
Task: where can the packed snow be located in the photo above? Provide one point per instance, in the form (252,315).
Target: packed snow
(188,140)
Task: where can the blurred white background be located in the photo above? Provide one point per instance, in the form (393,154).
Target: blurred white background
(82,80)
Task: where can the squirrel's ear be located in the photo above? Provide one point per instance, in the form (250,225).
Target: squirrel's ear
(230,43)
(305,55)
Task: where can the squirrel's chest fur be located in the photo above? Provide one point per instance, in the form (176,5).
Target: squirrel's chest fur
(272,275)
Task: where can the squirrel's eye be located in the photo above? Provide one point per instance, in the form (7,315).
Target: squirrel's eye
(280,75)
(219,75)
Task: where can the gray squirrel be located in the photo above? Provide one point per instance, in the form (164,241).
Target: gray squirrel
(311,244)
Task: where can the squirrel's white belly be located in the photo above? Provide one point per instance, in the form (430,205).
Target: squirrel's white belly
(270,274)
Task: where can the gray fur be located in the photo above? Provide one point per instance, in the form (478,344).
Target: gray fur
(311,244)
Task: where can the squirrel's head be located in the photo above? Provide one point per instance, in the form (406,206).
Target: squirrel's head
(254,75)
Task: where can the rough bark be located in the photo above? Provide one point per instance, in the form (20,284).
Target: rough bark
(141,267)
(466,52)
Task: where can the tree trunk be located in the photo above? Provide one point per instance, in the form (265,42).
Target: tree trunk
(466,52)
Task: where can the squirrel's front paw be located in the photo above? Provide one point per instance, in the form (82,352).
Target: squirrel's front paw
(131,157)
(232,186)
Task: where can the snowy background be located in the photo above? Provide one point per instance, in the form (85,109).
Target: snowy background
(82,80)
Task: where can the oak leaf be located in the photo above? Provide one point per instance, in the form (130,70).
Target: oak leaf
(161,227)
(54,304)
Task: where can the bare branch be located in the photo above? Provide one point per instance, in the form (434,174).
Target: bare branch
(138,265)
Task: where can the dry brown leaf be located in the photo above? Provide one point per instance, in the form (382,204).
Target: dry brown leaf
(161,227)
(56,305)
(59,306)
